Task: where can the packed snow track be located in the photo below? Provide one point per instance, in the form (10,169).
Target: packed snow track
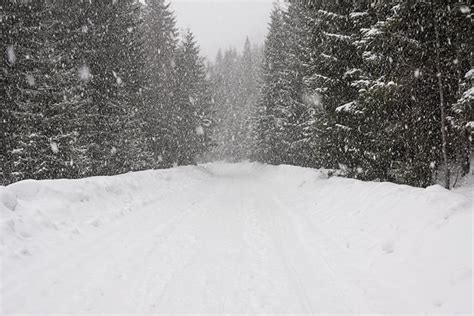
(233,238)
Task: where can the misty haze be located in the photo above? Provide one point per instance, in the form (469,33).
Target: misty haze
(236,156)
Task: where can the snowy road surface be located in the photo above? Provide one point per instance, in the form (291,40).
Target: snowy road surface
(233,238)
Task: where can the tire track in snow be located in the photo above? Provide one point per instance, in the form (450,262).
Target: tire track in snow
(150,288)
(313,238)
(281,233)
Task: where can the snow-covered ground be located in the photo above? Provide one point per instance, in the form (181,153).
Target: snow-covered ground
(233,238)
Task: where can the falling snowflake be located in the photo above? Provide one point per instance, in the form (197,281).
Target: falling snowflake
(417,73)
(54,147)
(199,130)
(314,99)
(30,80)
(85,74)
(465,9)
(11,55)
(113,151)
(84,29)
(117,78)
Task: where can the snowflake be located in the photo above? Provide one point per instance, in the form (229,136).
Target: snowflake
(54,147)
(117,78)
(30,80)
(85,73)
(417,73)
(465,9)
(199,130)
(11,55)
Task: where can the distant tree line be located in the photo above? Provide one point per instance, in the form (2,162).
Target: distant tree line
(235,79)
(381,90)
(98,88)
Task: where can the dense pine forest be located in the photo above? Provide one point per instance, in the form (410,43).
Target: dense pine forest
(235,80)
(99,88)
(375,90)
(379,90)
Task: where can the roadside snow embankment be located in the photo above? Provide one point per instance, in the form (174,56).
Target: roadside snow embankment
(36,214)
(234,238)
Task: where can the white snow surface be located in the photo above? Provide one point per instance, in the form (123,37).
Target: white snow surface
(233,238)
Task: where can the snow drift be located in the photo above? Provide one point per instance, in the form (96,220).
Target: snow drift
(233,238)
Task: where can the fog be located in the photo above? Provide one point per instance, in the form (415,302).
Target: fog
(223,23)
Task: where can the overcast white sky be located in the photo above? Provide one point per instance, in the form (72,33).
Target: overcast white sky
(223,23)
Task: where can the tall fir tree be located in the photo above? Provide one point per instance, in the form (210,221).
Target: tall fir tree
(160,44)
(234,80)
(191,117)
(40,95)
(409,95)
(20,27)
(271,126)
(77,71)
(357,78)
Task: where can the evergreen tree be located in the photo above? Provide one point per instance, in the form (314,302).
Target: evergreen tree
(19,24)
(71,76)
(305,105)
(333,66)
(354,85)
(271,125)
(404,88)
(234,80)
(131,154)
(160,43)
(192,103)
(371,118)
(248,99)
(226,94)
(39,98)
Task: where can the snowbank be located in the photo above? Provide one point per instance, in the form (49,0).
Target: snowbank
(39,214)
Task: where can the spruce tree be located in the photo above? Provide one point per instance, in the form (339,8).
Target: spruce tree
(272,118)
(405,90)
(40,97)
(160,43)
(18,24)
(191,104)
(307,115)
(234,80)
(332,70)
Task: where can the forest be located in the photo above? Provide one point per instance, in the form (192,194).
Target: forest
(370,89)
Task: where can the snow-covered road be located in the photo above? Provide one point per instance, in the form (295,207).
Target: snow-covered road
(233,238)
